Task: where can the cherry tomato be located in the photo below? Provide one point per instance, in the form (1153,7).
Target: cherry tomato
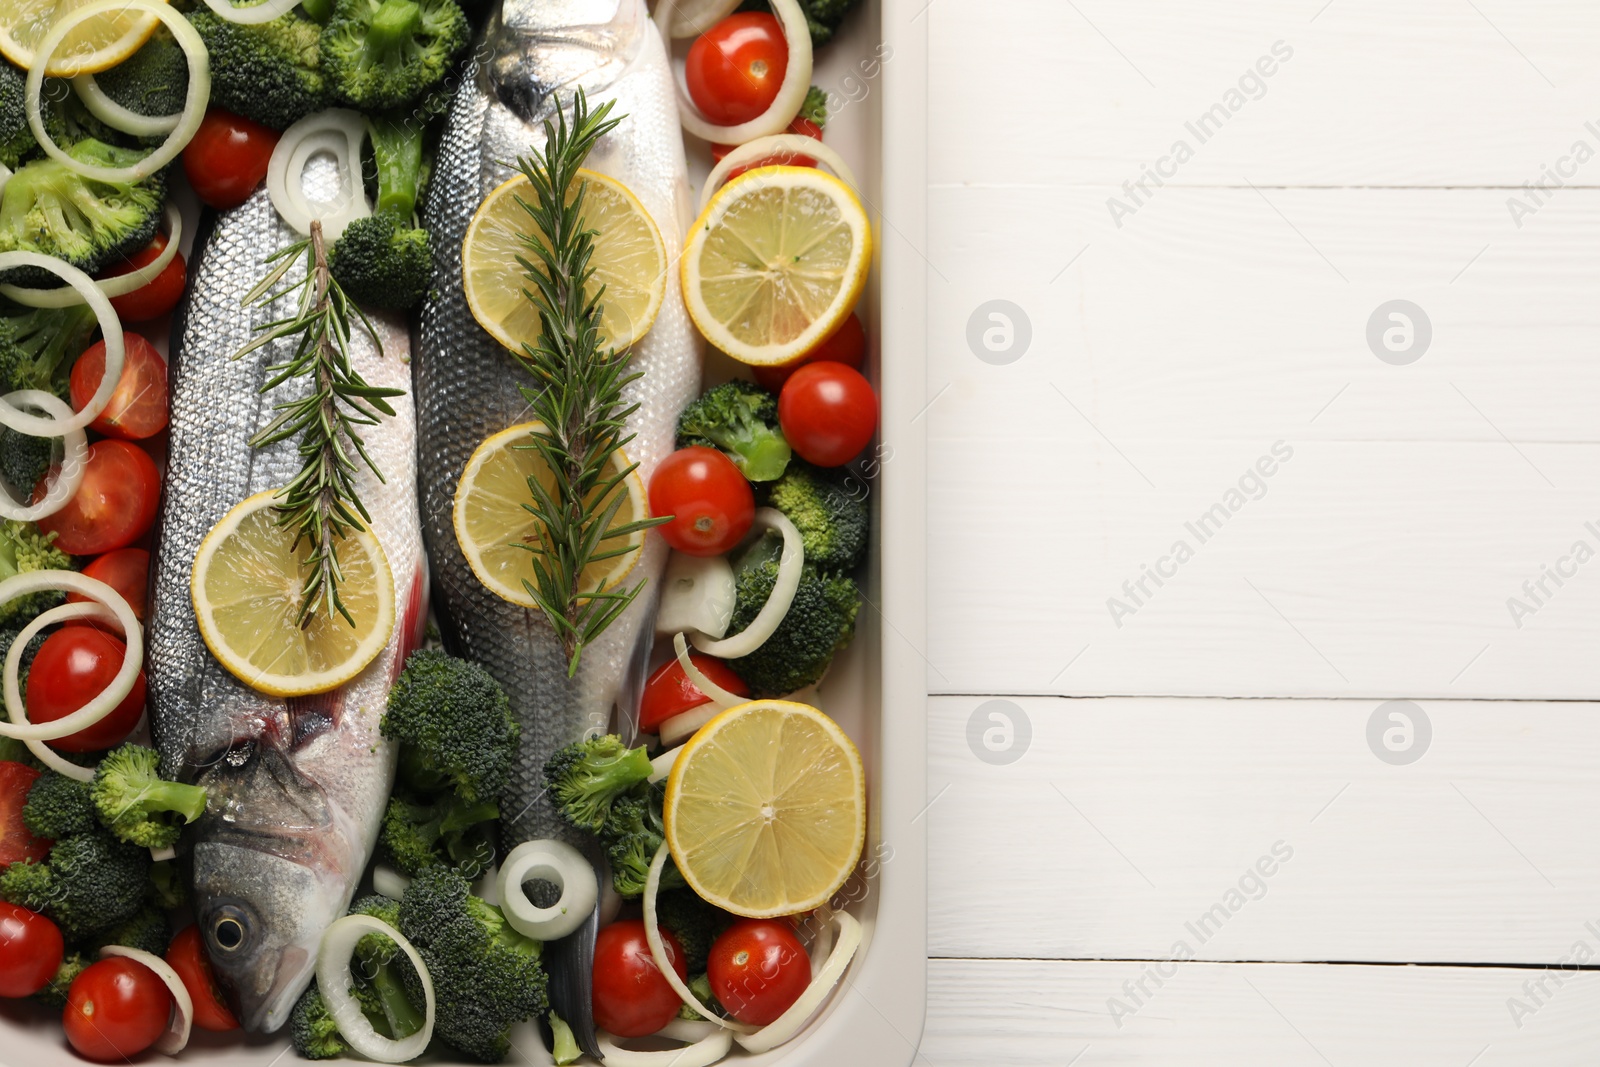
(710,501)
(828,412)
(16,842)
(669,692)
(736,68)
(160,294)
(187,956)
(113,507)
(847,345)
(116,1009)
(631,999)
(228,157)
(30,951)
(138,406)
(72,667)
(127,570)
(801,125)
(757,969)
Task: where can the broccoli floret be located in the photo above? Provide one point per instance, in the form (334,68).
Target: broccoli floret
(385,260)
(632,834)
(820,622)
(694,922)
(312,1030)
(88,883)
(137,804)
(381,54)
(421,831)
(741,419)
(55,991)
(24,549)
(271,73)
(822,16)
(454,726)
(146,930)
(815,106)
(59,807)
(486,976)
(832,521)
(37,349)
(16,139)
(10,747)
(380,969)
(68,120)
(24,460)
(45,208)
(153,81)
(700,986)
(586,777)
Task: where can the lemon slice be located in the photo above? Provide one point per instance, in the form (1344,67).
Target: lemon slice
(629,259)
(98,43)
(491,522)
(246,586)
(776,262)
(766,809)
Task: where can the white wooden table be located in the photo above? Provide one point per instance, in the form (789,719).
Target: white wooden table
(1155,870)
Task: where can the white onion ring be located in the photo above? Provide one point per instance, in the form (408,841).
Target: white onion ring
(177,1035)
(795,144)
(791,94)
(560,864)
(110,328)
(194,101)
(685,724)
(63,486)
(113,694)
(711,690)
(658,952)
(701,16)
(768,619)
(388,882)
(339,132)
(333,982)
(251,16)
(697,593)
(799,1013)
(703,1046)
(118,117)
(121,285)
(661,764)
(41,751)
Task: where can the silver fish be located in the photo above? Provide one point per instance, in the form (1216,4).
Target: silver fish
(297,787)
(535,54)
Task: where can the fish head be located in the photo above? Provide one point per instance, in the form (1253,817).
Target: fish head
(533,48)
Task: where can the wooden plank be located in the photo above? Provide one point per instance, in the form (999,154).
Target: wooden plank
(1262,830)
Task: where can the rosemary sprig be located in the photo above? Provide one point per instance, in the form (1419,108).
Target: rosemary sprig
(578,398)
(320,504)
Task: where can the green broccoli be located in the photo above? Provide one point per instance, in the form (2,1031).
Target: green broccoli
(136,803)
(24,549)
(68,120)
(815,106)
(832,521)
(486,976)
(312,1030)
(6,638)
(88,883)
(586,777)
(24,459)
(48,209)
(563,1045)
(385,260)
(153,81)
(822,16)
(38,347)
(271,73)
(454,726)
(55,991)
(632,834)
(420,831)
(700,986)
(694,922)
(16,139)
(381,54)
(146,930)
(741,419)
(821,620)
(380,970)
(58,807)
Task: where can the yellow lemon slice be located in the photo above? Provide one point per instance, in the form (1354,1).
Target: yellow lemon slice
(766,809)
(98,43)
(629,259)
(246,586)
(776,262)
(491,522)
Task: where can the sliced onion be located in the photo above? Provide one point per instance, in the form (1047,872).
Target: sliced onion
(697,593)
(559,864)
(661,765)
(719,696)
(110,328)
(41,751)
(388,882)
(684,725)
(67,476)
(333,982)
(790,144)
(658,953)
(118,117)
(121,285)
(338,132)
(177,1035)
(791,94)
(766,622)
(708,1045)
(792,1021)
(694,17)
(194,101)
(252,16)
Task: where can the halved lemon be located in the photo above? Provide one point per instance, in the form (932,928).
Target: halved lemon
(246,586)
(766,809)
(629,259)
(492,523)
(776,262)
(98,43)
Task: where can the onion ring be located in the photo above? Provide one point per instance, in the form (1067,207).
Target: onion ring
(194,101)
(333,982)
(110,327)
(64,483)
(791,94)
(254,15)
(118,117)
(795,144)
(41,751)
(121,285)
(793,1020)
(703,1045)
(560,864)
(658,952)
(711,690)
(685,724)
(339,132)
(177,1035)
(771,615)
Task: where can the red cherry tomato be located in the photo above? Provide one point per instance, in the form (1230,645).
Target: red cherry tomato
(710,501)
(30,951)
(847,345)
(828,412)
(669,692)
(159,295)
(187,956)
(228,157)
(138,407)
(127,570)
(757,969)
(803,126)
(631,998)
(115,1010)
(16,842)
(736,68)
(113,507)
(72,667)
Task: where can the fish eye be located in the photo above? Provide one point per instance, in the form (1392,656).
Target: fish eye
(228,930)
